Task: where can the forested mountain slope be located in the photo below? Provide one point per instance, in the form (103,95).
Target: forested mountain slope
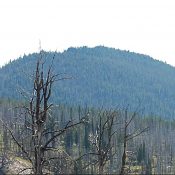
(101,76)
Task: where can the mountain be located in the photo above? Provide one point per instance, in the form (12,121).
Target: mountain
(101,77)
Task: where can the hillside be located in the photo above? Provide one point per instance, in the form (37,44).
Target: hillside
(101,76)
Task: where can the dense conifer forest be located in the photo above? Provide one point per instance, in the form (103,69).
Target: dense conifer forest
(100,76)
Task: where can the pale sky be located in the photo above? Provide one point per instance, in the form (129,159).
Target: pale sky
(143,26)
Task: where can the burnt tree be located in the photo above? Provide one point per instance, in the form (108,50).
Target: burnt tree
(128,136)
(38,135)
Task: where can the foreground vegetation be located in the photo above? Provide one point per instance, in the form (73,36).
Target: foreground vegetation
(75,151)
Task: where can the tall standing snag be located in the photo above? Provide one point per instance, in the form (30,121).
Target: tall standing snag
(103,140)
(39,135)
(38,110)
(39,107)
(128,136)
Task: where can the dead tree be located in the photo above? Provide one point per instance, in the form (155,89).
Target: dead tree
(102,140)
(128,136)
(38,110)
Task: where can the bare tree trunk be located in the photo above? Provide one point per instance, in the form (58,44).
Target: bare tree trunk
(39,153)
(101,167)
(122,172)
